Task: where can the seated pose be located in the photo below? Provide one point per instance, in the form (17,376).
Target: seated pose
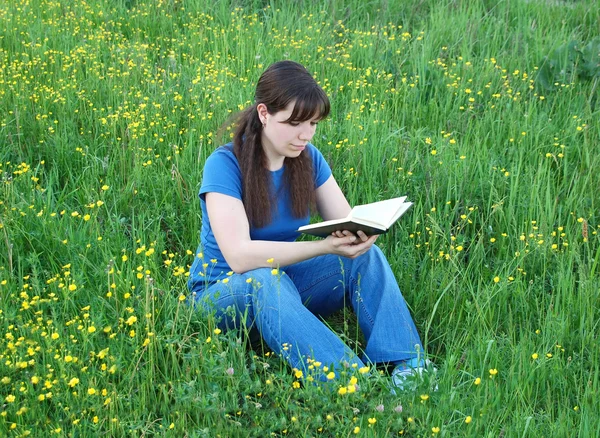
(250,270)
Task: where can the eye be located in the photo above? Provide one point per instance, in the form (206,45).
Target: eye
(314,123)
(294,123)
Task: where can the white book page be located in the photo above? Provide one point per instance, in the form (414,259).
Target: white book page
(382,212)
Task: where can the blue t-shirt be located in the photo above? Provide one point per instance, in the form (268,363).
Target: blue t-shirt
(222,174)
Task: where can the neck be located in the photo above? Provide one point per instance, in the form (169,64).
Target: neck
(274,161)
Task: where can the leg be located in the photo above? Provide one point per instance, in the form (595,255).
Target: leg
(272,304)
(368,284)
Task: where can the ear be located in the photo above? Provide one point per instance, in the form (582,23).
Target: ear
(261,108)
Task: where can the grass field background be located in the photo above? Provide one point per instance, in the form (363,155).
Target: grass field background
(485,113)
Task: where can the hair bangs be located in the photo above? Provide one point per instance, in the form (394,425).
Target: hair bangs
(311,104)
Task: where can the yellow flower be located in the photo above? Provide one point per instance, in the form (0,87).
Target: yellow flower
(270,260)
(274,271)
(493,372)
(468,419)
(342,390)
(356,430)
(477,381)
(363,370)
(217,331)
(331,376)
(91,391)
(105,187)
(435,430)
(10,398)
(131,320)
(372,420)
(534,356)
(433,152)
(91,329)
(298,374)
(74,381)
(72,287)
(424,397)
(496,279)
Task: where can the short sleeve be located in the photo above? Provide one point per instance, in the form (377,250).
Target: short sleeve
(222,174)
(321,168)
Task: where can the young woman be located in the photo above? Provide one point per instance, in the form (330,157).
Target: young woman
(255,194)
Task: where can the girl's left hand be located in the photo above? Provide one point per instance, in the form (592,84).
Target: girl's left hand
(362,237)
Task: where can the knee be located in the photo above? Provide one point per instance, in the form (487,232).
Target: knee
(261,278)
(267,283)
(373,257)
(375,253)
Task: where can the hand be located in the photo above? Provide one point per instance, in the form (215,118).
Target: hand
(347,244)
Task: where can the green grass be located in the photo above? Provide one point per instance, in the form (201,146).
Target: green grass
(108,111)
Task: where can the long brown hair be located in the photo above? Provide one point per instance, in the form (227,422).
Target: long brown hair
(281,83)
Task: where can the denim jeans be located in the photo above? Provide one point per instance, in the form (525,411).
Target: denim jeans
(287,309)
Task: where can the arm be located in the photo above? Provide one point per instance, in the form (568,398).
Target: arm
(331,202)
(230,226)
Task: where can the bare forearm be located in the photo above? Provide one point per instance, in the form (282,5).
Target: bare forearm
(254,254)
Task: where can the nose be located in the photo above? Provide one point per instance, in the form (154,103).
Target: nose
(307,132)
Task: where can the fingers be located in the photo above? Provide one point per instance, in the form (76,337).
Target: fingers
(362,236)
(352,246)
(343,233)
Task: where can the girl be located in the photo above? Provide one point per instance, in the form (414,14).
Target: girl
(255,194)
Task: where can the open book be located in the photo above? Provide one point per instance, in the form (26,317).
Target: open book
(374,218)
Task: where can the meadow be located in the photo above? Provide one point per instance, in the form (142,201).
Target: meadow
(484,112)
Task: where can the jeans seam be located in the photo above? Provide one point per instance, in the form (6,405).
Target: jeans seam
(360,303)
(280,351)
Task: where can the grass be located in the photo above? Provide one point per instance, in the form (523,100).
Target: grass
(109,110)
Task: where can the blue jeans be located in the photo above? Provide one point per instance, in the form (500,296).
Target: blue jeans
(286,309)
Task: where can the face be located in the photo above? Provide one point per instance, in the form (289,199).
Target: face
(282,139)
